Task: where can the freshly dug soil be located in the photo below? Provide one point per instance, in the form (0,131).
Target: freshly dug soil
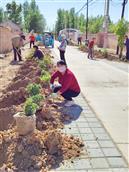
(38,151)
(18,84)
(13,98)
(15,94)
(6,117)
(49,117)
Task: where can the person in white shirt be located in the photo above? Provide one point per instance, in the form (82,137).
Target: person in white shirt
(62,48)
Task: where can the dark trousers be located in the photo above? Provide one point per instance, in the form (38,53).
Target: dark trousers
(90,53)
(17,52)
(127,54)
(79,42)
(62,55)
(68,95)
(31,42)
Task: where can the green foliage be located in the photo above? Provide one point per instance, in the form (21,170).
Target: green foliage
(1,15)
(45,63)
(105,53)
(33,89)
(95,24)
(47,60)
(112,27)
(30,107)
(45,77)
(14,12)
(120,30)
(69,19)
(30,54)
(37,99)
(33,19)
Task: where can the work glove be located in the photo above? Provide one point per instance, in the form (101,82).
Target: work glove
(52,87)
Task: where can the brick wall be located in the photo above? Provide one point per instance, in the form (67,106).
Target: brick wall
(5,40)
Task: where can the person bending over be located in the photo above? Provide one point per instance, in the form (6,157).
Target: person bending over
(68,87)
(91,48)
(38,53)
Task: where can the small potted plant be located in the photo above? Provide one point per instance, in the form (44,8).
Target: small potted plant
(26,120)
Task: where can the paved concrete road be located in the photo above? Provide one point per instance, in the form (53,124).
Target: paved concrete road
(105,86)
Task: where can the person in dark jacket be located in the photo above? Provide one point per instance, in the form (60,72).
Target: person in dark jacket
(38,53)
(127,47)
(68,87)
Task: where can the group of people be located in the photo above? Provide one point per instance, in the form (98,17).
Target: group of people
(62,47)
(68,86)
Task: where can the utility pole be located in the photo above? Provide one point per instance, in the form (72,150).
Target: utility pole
(122,16)
(87,19)
(106,22)
(123,8)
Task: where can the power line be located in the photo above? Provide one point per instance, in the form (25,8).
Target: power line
(84,6)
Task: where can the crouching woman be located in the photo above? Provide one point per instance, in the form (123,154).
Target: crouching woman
(68,85)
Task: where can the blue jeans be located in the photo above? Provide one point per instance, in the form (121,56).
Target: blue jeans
(68,95)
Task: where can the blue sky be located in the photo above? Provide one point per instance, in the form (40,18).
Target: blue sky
(49,8)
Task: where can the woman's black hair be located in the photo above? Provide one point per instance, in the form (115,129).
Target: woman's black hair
(35,46)
(61,62)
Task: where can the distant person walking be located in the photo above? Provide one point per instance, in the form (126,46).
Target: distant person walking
(32,40)
(91,48)
(79,40)
(127,47)
(62,48)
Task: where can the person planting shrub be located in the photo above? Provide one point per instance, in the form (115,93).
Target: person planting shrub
(38,54)
(68,87)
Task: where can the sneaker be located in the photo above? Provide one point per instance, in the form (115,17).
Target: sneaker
(69,103)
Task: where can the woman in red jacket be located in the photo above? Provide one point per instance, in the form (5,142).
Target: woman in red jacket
(32,40)
(69,86)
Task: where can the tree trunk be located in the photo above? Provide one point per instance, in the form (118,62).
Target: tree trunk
(121,52)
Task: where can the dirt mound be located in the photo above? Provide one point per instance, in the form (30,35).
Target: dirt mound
(8,103)
(49,117)
(29,63)
(13,98)
(39,151)
(18,84)
(6,117)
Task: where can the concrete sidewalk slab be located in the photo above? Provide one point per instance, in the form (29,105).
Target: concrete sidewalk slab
(105,87)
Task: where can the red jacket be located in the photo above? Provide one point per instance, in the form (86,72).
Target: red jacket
(68,81)
(91,44)
(32,38)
